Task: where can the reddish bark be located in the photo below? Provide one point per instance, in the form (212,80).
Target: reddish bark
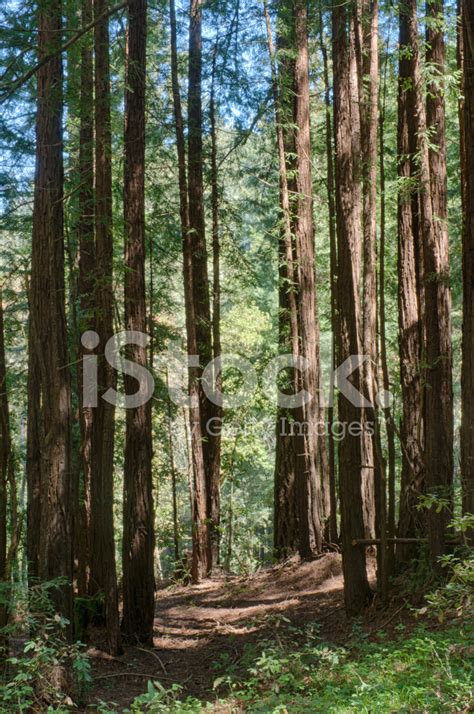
(356,588)
(467,164)
(138,518)
(103,577)
(48,323)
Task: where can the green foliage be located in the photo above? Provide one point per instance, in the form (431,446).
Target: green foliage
(46,670)
(159,699)
(297,672)
(456,596)
(428,671)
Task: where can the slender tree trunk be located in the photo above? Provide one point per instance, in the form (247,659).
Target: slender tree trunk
(467,163)
(138,518)
(200,283)
(333,281)
(437,375)
(48,331)
(389,424)
(5,460)
(103,577)
(215,457)
(230,526)
(309,477)
(198,250)
(439,389)
(356,587)
(85,290)
(34,470)
(362,65)
(356,144)
(410,307)
(374,468)
(199,498)
(174,493)
(285,501)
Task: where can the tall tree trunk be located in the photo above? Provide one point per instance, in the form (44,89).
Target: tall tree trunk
(389,423)
(5,465)
(174,493)
(285,502)
(333,281)
(138,535)
(309,478)
(215,456)
(467,164)
(200,288)
(439,388)
(103,577)
(198,490)
(85,290)
(410,299)
(362,59)
(356,587)
(438,400)
(34,470)
(49,335)
(369,71)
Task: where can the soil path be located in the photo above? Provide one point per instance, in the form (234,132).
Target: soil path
(197,626)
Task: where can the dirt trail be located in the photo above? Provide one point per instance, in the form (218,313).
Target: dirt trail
(195,626)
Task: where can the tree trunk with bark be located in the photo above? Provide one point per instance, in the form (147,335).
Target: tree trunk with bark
(5,467)
(85,291)
(467,164)
(410,302)
(34,471)
(200,280)
(138,518)
(215,456)
(356,587)
(198,490)
(309,490)
(438,394)
(285,500)
(333,280)
(389,423)
(48,327)
(103,577)
(374,471)
(299,488)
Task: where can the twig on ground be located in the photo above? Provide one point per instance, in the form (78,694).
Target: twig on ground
(125,674)
(155,655)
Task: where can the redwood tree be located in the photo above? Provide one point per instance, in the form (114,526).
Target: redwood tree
(208,490)
(438,397)
(467,164)
(309,487)
(85,288)
(410,298)
(138,528)
(48,321)
(300,467)
(356,588)
(5,465)
(215,455)
(285,522)
(103,577)
(198,485)
(332,467)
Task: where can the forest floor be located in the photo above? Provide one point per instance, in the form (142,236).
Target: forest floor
(198,628)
